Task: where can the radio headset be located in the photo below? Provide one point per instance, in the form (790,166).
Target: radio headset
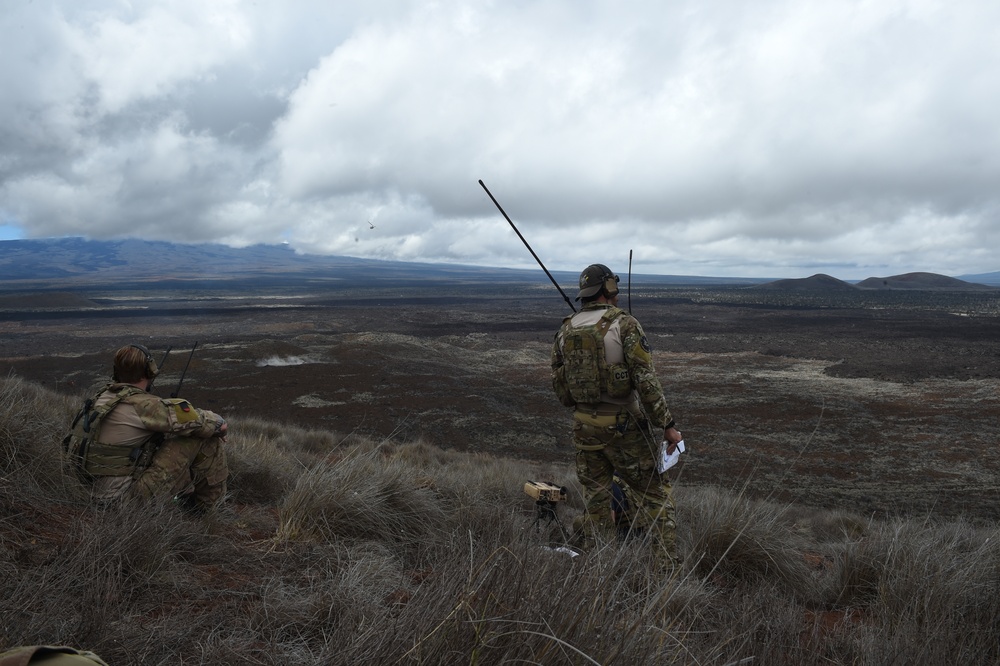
(151,369)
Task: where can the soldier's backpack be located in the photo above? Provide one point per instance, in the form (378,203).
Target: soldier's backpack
(85,457)
(587,374)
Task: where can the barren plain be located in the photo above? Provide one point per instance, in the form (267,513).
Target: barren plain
(883,403)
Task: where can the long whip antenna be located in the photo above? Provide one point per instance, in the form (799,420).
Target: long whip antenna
(184,372)
(630,281)
(506,217)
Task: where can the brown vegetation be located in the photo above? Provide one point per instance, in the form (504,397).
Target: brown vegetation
(341,549)
(838,503)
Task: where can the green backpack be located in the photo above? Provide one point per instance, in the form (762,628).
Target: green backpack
(587,372)
(86,457)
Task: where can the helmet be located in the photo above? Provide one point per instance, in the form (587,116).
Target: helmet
(596,277)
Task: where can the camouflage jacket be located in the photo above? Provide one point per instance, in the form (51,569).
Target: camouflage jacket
(627,341)
(150,413)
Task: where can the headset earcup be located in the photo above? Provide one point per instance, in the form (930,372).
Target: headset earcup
(151,369)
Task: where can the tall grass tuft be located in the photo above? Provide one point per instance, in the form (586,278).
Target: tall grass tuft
(260,472)
(362,495)
(28,441)
(105,566)
(743,540)
(930,592)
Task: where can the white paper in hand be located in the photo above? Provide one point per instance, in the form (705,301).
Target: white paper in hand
(668,460)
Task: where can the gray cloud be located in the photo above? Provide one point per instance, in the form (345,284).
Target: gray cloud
(718,138)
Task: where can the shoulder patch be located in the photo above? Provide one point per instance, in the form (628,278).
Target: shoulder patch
(644,344)
(181,410)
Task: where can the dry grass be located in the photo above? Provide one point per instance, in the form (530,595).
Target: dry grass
(342,550)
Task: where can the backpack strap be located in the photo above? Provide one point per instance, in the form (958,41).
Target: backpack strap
(611,315)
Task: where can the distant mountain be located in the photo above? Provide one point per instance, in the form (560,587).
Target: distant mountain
(68,264)
(992,279)
(819,283)
(922,281)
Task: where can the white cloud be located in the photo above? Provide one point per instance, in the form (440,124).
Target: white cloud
(720,137)
(134,55)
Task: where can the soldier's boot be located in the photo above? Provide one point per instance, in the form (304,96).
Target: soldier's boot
(190,505)
(582,538)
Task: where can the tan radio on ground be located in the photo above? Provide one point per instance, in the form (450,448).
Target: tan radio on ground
(544,492)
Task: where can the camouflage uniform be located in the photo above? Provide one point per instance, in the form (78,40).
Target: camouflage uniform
(621,507)
(49,655)
(189,463)
(615,433)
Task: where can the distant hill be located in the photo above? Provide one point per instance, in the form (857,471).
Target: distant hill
(69,263)
(819,282)
(992,279)
(75,263)
(909,281)
(922,281)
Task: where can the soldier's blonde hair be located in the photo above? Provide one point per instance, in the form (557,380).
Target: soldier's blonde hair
(133,363)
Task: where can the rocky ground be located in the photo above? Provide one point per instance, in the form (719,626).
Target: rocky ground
(886,408)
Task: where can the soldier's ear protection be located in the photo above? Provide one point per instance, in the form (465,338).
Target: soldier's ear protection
(610,281)
(151,370)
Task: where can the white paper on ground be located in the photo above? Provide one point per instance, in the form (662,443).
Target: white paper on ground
(562,549)
(668,460)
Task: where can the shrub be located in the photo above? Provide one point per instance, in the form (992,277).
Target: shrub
(362,495)
(33,421)
(745,540)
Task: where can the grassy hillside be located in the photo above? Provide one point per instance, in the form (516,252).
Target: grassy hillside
(335,549)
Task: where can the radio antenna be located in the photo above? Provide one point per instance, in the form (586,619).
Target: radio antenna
(511,223)
(630,281)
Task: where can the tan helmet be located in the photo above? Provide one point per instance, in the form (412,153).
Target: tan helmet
(596,277)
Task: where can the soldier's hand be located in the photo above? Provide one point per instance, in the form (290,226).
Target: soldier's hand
(671,436)
(221,431)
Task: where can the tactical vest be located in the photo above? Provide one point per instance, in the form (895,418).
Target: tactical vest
(86,457)
(587,372)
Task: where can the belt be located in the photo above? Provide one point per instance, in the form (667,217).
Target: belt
(621,418)
(607,408)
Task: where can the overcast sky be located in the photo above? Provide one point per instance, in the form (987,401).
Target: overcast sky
(774,138)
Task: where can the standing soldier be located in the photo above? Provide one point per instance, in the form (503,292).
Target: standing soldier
(603,368)
(128,443)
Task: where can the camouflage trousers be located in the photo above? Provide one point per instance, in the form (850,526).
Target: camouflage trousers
(602,451)
(191,467)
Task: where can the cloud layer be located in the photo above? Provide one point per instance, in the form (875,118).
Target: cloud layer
(767,139)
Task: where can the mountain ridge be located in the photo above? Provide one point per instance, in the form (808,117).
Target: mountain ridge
(69,263)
